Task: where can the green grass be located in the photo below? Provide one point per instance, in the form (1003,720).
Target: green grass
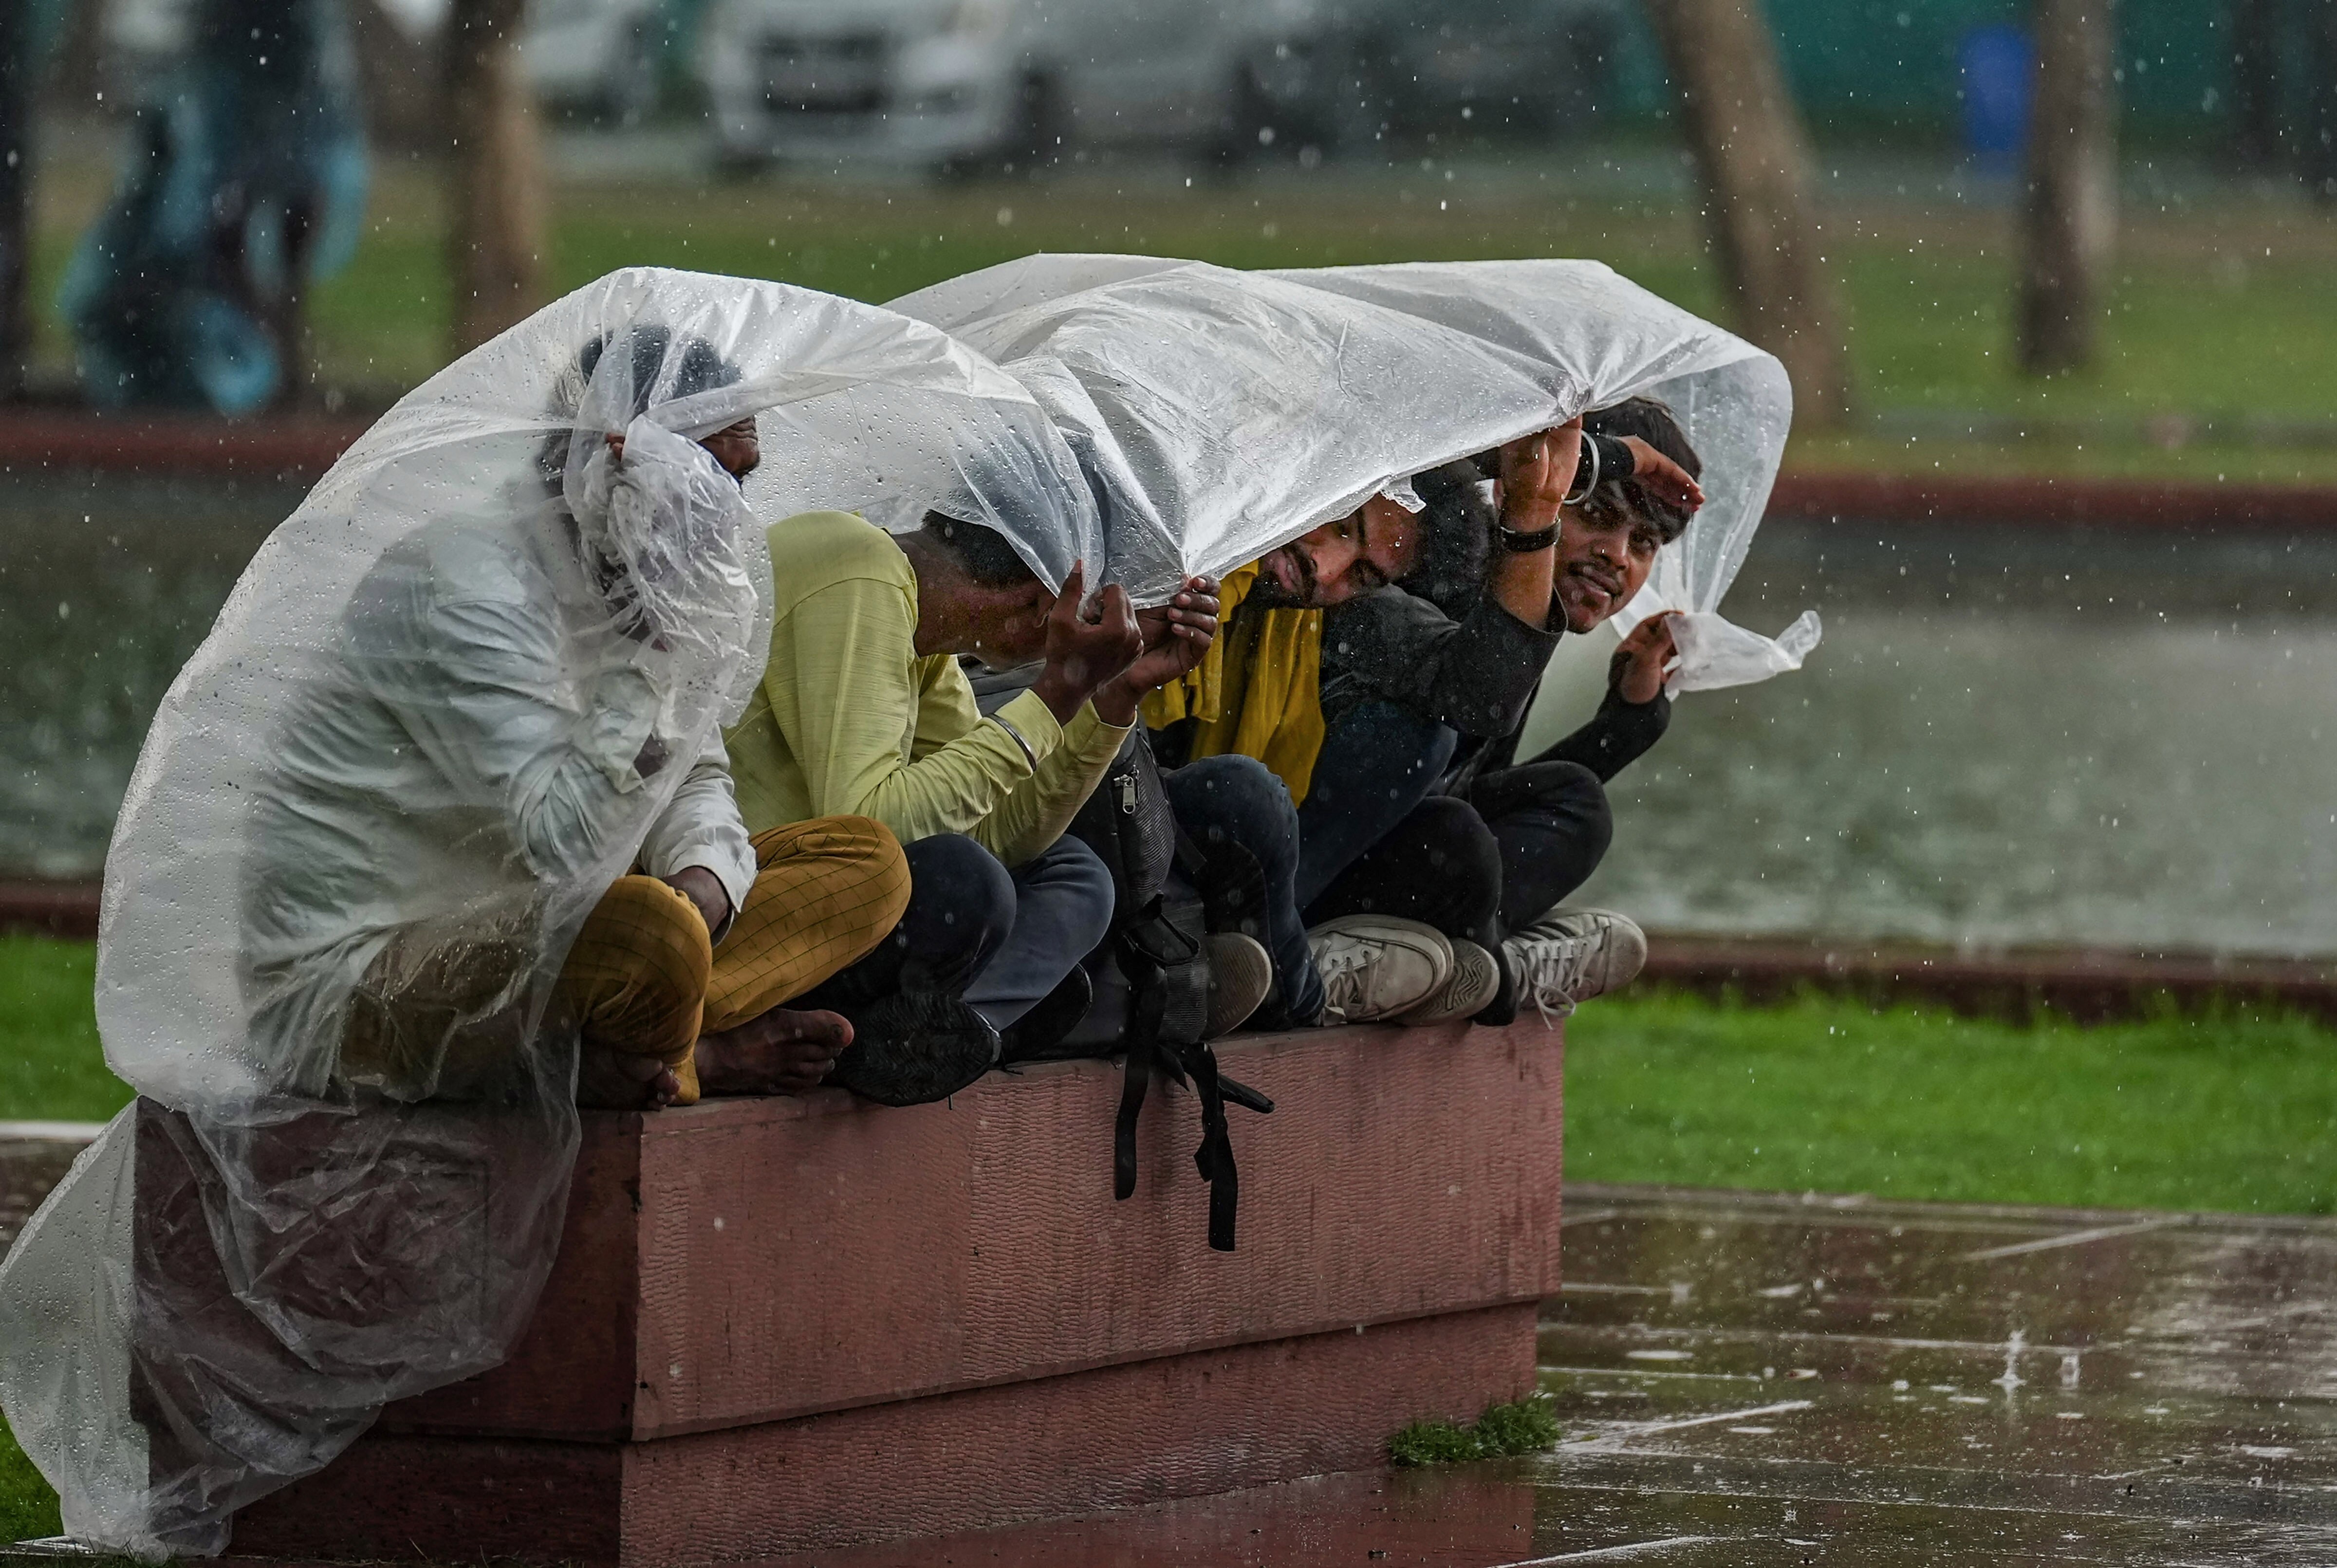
(2219,1112)
(28,1509)
(51,1069)
(2217,312)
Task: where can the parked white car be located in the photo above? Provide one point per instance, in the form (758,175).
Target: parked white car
(949,82)
(594,56)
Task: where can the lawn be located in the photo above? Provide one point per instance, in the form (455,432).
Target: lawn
(2220,1113)
(2216,313)
(51,1069)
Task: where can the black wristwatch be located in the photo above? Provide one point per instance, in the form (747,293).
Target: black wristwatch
(1519,542)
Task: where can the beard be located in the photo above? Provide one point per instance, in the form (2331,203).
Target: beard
(1267,592)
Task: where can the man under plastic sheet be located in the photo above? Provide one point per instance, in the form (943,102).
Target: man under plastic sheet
(441,799)
(1430,866)
(864,708)
(474,652)
(1222,414)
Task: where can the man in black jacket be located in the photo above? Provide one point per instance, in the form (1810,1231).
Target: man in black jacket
(1432,652)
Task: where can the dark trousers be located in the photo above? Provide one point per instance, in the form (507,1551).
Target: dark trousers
(1374,840)
(1001,940)
(1235,798)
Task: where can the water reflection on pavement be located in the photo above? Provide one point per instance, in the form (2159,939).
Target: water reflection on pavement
(1745,1379)
(1752,1379)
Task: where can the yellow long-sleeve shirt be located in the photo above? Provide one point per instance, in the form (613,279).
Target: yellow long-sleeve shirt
(849,720)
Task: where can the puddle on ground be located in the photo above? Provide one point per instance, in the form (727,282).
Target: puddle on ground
(1744,1378)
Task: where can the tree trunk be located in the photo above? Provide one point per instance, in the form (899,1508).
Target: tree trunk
(2320,161)
(16,97)
(495,197)
(2069,217)
(1752,156)
(2255,85)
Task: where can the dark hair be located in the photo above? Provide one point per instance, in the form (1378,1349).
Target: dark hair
(981,551)
(699,367)
(1652,422)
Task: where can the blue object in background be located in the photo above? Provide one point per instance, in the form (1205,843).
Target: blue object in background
(1998,67)
(246,172)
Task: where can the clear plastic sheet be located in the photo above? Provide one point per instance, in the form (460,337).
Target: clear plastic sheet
(1220,413)
(444,707)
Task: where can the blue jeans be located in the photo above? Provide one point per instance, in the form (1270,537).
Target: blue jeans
(1001,940)
(1235,798)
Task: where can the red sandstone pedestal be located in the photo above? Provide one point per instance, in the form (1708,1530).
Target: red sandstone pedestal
(779,1325)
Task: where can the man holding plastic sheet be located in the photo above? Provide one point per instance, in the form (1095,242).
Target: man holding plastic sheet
(864,709)
(1429,869)
(520,668)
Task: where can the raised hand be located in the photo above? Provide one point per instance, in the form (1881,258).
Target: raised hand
(1176,636)
(1083,653)
(1636,670)
(1665,480)
(1536,471)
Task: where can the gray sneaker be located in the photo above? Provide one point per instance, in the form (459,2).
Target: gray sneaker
(1375,967)
(1569,956)
(1241,974)
(1475,980)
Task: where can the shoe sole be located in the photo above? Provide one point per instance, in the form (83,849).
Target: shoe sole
(1241,976)
(1476,981)
(913,1048)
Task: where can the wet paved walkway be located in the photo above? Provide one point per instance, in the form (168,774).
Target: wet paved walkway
(1745,1379)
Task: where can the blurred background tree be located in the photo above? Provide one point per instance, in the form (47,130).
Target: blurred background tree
(496,232)
(2069,201)
(1752,159)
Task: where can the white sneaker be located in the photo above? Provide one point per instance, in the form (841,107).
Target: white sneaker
(1473,984)
(1569,956)
(1375,967)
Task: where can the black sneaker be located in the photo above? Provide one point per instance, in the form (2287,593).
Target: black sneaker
(915,1046)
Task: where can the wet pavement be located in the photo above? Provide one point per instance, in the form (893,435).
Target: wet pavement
(1745,1379)
(1750,1378)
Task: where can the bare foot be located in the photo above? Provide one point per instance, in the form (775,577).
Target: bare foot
(607,1081)
(780,1053)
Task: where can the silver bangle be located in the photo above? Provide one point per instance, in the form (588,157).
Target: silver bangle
(1591,445)
(1028,754)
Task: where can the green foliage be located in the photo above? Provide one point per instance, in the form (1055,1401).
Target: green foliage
(1433,1443)
(1524,1425)
(2225,1111)
(51,1069)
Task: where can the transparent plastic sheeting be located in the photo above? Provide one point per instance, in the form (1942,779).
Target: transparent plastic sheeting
(425,734)
(1219,413)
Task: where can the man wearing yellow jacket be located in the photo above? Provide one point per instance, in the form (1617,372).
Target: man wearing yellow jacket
(864,701)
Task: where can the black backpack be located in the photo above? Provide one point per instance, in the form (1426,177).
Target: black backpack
(1155,941)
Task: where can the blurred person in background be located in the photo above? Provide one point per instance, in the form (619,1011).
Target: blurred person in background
(1380,667)
(244,183)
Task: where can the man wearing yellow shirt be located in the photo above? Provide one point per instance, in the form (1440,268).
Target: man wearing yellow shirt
(863,710)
